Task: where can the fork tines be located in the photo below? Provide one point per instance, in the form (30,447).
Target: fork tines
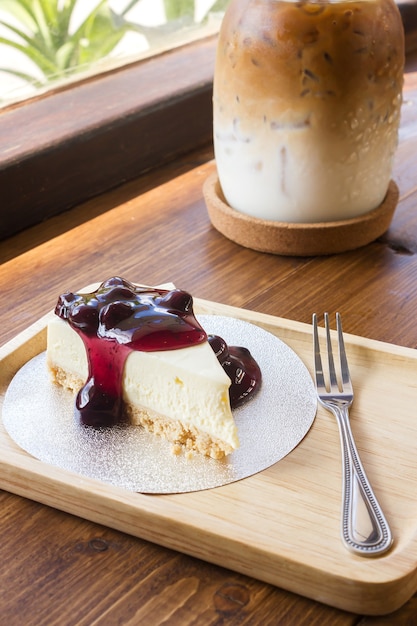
(344,368)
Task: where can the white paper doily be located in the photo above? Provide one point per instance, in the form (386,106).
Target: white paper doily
(39,416)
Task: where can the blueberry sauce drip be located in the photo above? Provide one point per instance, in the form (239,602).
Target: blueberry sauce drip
(119,317)
(241,367)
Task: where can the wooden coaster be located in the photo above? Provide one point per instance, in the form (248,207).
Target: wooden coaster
(290,239)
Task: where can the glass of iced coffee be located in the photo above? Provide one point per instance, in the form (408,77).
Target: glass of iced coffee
(306,107)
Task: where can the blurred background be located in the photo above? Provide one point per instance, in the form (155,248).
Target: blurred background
(45,43)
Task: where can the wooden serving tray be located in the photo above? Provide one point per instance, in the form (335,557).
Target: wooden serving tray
(282,525)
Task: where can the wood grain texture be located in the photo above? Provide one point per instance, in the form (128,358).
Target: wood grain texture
(153,229)
(67,146)
(297,500)
(88,574)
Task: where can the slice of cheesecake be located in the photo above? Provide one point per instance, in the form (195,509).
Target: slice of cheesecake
(139,354)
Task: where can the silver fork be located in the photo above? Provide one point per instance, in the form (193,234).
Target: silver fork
(365,530)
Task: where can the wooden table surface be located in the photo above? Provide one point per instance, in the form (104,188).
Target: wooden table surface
(59,569)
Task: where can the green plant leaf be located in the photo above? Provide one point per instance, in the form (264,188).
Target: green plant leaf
(33,54)
(21,10)
(49,9)
(30,39)
(24,76)
(42,22)
(176,9)
(65,54)
(97,35)
(129,6)
(45,39)
(219,6)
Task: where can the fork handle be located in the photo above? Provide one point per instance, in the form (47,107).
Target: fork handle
(365,530)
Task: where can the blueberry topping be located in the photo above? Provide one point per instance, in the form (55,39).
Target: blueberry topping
(120,317)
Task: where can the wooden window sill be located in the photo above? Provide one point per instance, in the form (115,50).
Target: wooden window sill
(63,148)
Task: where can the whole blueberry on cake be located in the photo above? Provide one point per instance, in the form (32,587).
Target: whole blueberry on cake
(138,355)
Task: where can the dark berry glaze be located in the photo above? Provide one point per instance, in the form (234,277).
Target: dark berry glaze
(241,368)
(120,317)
